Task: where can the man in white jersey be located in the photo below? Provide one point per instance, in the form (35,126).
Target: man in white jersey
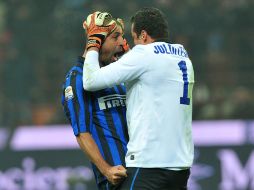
(159,78)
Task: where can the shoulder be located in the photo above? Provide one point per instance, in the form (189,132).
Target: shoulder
(143,48)
(138,47)
(177,45)
(75,70)
(73,78)
(136,53)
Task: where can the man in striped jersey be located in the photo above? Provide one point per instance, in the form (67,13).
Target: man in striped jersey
(98,118)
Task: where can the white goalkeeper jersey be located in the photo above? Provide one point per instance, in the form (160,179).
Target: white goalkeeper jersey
(159,78)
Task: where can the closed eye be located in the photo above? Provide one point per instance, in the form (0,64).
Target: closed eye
(116,35)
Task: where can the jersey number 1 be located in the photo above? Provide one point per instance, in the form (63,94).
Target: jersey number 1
(184,100)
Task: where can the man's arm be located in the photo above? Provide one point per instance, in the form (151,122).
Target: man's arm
(113,173)
(127,68)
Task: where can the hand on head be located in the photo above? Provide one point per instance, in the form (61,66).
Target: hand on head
(98,26)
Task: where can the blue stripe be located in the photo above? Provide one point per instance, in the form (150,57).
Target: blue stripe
(72,110)
(92,128)
(97,140)
(79,91)
(118,123)
(110,141)
(62,99)
(90,112)
(108,136)
(107,186)
(123,88)
(77,69)
(134,178)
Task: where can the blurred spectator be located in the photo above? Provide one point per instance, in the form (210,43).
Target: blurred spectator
(40,39)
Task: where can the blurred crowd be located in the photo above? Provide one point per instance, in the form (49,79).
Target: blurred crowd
(40,41)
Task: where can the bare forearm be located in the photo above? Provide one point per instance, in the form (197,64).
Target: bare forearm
(91,149)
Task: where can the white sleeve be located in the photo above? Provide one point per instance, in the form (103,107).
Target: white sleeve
(125,69)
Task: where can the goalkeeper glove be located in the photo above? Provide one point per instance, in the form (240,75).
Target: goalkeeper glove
(98,26)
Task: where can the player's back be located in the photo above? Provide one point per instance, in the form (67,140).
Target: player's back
(163,93)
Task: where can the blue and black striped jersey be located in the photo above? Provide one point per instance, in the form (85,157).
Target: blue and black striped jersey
(101,113)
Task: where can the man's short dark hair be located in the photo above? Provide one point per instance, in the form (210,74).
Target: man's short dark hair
(153,21)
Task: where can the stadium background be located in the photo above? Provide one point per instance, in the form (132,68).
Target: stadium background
(40,41)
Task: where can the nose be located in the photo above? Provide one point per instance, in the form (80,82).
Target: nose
(120,40)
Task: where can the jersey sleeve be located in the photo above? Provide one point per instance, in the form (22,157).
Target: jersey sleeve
(77,104)
(126,69)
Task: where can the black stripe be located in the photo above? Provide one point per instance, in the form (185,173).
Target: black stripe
(75,99)
(112,127)
(121,90)
(87,99)
(102,139)
(123,117)
(65,106)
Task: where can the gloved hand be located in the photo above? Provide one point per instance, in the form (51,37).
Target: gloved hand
(98,26)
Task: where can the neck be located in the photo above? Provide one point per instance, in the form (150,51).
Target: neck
(147,40)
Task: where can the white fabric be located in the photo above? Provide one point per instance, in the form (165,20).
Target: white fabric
(159,126)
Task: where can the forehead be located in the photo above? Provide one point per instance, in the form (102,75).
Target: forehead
(117,30)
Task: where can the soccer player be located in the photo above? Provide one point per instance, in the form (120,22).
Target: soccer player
(159,78)
(98,118)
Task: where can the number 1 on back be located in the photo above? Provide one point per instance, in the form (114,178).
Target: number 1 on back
(184,99)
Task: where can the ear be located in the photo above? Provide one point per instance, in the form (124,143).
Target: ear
(143,36)
(146,38)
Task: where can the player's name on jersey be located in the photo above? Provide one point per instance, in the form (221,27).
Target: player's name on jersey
(169,49)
